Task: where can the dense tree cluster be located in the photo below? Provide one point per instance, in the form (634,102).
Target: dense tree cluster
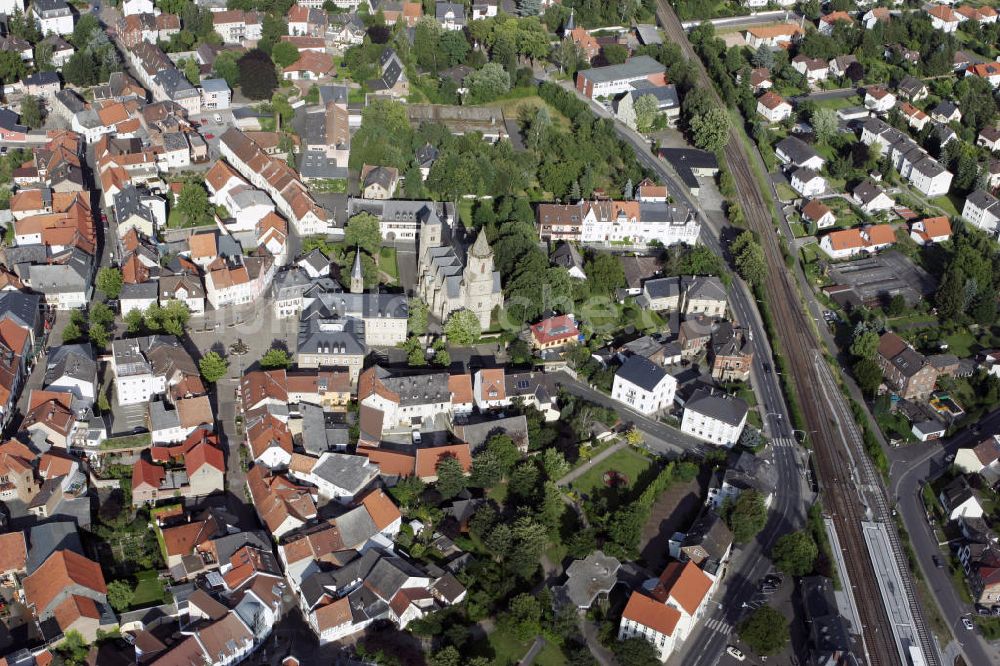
(969,283)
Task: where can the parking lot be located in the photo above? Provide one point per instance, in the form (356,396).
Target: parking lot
(127,419)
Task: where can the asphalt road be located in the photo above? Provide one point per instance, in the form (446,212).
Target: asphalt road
(707,643)
(910,467)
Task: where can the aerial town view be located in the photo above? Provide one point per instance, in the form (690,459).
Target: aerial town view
(513,332)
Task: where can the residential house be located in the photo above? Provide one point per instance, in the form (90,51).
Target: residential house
(983,456)
(378,182)
(840,64)
(554,332)
(982,209)
(847,243)
(772,36)
(807,182)
(53,16)
(930,230)
(879,99)
(310,66)
(814,69)
(714,417)
(152,365)
(392,81)
(731,353)
(943,18)
(959,500)
(912,89)
(603,221)
(69,589)
(871,198)
(905,370)
(988,71)
(827,21)
(818,214)
(989,137)
(773,107)
(793,151)
(643,385)
(915,118)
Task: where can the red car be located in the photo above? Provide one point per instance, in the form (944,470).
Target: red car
(209,136)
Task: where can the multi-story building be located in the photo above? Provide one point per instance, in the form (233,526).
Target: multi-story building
(606,221)
(643,385)
(714,417)
(53,16)
(149,366)
(982,209)
(614,79)
(909,159)
(906,371)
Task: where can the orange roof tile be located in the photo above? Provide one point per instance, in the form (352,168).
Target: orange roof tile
(651,613)
(382,509)
(685,583)
(428,459)
(13,551)
(461,389)
(203,246)
(390,463)
(61,570)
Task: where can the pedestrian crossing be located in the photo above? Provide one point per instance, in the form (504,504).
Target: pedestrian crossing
(784,442)
(720,625)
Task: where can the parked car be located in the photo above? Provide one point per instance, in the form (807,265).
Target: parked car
(937,562)
(967,623)
(735,653)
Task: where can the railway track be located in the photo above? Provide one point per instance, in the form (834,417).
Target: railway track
(852,491)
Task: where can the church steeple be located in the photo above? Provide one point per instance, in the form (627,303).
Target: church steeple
(357,274)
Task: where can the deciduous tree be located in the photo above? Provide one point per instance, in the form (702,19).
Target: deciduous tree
(463,328)
(213,367)
(450,477)
(257,76)
(795,553)
(765,631)
(109,281)
(710,130)
(275,358)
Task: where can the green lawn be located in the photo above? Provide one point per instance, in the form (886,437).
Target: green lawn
(839,103)
(387,262)
(178,220)
(149,589)
(509,650)
(512,109)
(949,204)
(785,193)
(628,461)
(960,343)
(267,124)
(465,212)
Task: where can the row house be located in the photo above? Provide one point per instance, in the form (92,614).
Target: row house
(306,21)
(280,181)
(242,280)
(20,323)
(691,295)
(153,365)
(194,468)
(909,159)
(240,27)
(326,388)
(108,117)
(606,221)
(147,27)
(69,590)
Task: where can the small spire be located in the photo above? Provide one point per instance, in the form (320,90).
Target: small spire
(357,271)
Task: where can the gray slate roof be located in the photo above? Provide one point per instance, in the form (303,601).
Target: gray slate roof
(642,372)
(718,406)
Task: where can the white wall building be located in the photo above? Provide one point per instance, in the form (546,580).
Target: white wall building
(643,385)
(714,417)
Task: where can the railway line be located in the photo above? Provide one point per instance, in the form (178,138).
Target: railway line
(852,491)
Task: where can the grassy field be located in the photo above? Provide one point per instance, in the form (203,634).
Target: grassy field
(628,461)
(178,220)
(839,103)
(960,343)
(509,650)
(387,262)
(149,589)
(949,205)
(465,212)
(785,193)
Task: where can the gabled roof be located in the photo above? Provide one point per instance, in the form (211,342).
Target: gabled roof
(685,583)
(61,570)
(651,613)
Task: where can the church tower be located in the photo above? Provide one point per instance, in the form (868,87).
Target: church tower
(357,275)
(478,275)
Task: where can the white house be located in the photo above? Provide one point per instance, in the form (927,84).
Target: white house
(796,152)
(982,209)
(72,369)
(489,389)
(879,99)
(682,591)
(130,7)
(943,19)
(53,16)
(773,107)
(643,385)
(138,297)
(959,501)
(807,182)
(714,417)
(814,69)
(338,476)
(984,455)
